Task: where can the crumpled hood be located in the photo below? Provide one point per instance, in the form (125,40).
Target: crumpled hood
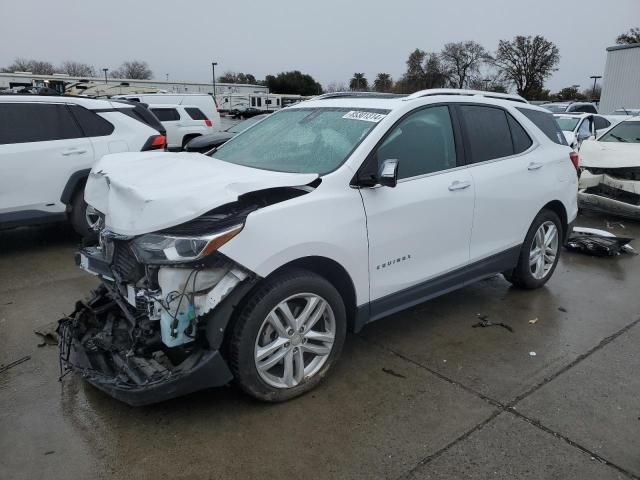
(145,192)
(609,154)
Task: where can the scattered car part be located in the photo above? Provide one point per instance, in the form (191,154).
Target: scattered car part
(599,243)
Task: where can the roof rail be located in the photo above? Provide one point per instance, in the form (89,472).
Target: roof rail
(478,93)
(326,96)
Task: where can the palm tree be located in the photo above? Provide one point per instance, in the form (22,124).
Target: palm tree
(359,83)
(383,83)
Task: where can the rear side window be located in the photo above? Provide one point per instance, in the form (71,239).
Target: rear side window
(601,123)
(166,114)
(92,124)
(487,131)
(545,122)
(521,139)
(196,113)
(36,122)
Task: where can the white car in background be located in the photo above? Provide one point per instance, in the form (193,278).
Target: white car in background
(182,122)
(48,146)
(327,215)
(610,177)
(578,127)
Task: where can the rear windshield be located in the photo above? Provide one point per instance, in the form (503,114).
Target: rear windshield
(625,132)
(545,122)
(142,114)
(302,140)
(166,114)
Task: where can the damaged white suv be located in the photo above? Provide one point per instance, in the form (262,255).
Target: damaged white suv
(251,263)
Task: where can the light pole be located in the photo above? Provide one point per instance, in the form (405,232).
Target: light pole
(167,76)
(105,70)
(213,71)
(595,79)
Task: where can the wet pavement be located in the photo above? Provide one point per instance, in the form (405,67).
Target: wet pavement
(421,394)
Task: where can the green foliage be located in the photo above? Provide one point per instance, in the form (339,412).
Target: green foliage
(294,82)
(233,77)
(359,83)
(424,70)
(383,83)
(632,36)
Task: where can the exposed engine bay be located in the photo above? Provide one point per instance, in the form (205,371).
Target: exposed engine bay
(611,190)
(153,329)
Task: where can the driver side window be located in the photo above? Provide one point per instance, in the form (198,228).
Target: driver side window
(422,143)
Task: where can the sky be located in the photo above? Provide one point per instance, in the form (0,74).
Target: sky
(329,40)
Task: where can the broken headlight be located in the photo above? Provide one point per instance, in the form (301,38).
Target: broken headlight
(158,248)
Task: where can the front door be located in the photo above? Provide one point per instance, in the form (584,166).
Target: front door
(420,229)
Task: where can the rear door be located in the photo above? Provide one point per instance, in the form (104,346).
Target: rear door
(509,175)
(171,120)
(41,146)
(420,229)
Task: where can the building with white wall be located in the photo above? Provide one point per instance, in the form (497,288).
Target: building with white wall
(621,79)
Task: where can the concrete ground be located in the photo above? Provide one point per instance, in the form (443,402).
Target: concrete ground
(419,395)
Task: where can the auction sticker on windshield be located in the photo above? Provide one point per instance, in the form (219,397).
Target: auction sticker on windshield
(366,116)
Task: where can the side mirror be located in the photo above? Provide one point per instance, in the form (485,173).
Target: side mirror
(388,173)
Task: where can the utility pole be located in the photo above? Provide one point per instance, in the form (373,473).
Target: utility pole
(167,76)
(105,70)
(595,79)
(213,71)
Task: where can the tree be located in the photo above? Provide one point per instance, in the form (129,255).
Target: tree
(37,67)
(435,75)
(383,83)
(632,36)
(463,60)
(593,93)
(232,77)
(527,62)
(294,82)
(359,83)
(134,69)
(336,87)
(569,93)
(77,69)
(424,70)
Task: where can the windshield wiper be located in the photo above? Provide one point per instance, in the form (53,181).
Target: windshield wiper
(620,139)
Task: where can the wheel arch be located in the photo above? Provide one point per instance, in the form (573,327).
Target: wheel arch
(76,181)
(188,137)
(559,209)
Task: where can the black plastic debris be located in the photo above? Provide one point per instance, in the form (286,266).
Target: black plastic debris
(485,322)
(598,243)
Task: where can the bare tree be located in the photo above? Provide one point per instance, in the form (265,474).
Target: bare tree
(336,87)
(463,60)
(383,83)
(632,36)
(77,69)
(37,67)
(134,69)
(527,62)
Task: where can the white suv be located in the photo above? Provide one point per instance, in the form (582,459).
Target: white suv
(48,146)
(327,215)
(182,122)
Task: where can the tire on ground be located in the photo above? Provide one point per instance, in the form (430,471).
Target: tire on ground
(241,343)
(78,216)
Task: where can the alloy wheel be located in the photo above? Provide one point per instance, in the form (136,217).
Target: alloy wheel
(544,250)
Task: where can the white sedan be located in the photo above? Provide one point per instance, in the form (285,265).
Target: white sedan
(578,127)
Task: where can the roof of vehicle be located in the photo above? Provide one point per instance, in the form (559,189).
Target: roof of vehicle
(170,105)
(373,100)
(575,114)
(90,103)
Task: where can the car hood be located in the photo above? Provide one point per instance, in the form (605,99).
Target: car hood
(209,141)
(145,192)
(609,154)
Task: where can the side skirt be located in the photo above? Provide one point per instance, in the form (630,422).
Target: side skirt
(435,287)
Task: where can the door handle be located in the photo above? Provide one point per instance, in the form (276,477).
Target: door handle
(534,166)
(458,185)
(73,151)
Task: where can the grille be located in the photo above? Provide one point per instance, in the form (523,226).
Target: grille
(125,264)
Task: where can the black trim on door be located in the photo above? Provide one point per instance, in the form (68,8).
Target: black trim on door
(435,287)
(29,217)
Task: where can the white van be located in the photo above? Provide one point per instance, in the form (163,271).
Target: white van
(182,122)
(203,101)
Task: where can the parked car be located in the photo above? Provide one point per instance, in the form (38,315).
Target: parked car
(570,107)
(247,112)
(578,127)
(205,143)
(325,216)
(48,146)
(203,101)
(627,112)
(610,177)
(182,122)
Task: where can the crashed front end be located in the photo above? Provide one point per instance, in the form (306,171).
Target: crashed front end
(153,329)
(611,190)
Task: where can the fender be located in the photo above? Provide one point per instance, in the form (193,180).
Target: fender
(72,184)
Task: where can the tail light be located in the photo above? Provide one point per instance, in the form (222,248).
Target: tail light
(208,122)
(155,142)
(575,159)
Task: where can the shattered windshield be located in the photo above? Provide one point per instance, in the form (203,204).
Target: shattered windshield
(567,123)
(301,140)
(242,126)
(625,132)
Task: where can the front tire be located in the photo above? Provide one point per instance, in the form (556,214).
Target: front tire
(82,216)
(287,336)
(540,252)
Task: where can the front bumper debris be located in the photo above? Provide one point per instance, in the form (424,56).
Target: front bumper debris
(607,192)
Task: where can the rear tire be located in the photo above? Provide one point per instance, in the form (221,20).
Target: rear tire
(540,252)
(274,359)
(78,216)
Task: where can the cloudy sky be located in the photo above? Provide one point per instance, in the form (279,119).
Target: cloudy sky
(330,40)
